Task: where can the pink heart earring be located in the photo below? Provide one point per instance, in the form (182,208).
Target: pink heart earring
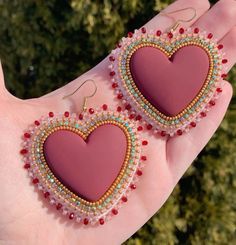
(168,80)
(85,164)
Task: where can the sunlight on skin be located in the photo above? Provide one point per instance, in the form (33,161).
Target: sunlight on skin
(26,219)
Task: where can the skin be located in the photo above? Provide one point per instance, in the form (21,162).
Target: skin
(27,219)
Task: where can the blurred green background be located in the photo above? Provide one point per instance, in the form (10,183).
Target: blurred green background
(45,44)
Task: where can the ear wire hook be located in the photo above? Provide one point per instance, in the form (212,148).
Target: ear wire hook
(86,97)
(175,26)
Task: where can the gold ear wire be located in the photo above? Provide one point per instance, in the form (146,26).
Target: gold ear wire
(86,97)
(175,26)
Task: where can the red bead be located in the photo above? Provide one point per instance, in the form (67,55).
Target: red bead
(144,142)
(51,114)
(114,211)
(118,45)
(112,73)
(131,116)
(71,216)
(35,181)
(139,172)
(66,114)
(140,128)
(130,34)
(104,107)
(203,114)
(224,75)
(119,96)
(124,199)
(219,90)
(149,127)
(81,116)
(138,118)
(224,61)
(37,123)
(119,108)
(27,166)
(181,30)
(163,133)
(128,107)
(114,85)
(170,35)
(179,132)
(133,186)
(196,30)
(101,221)
(86,221)
(91,110)
(143,158)
(46,194)
(59,206)
(212,103)
(24,151)
(27,135)
(193,124)
(143,30)
(158,33)
(210,35)
(220,46)
(112,58)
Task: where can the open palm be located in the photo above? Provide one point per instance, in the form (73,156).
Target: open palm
(27,219)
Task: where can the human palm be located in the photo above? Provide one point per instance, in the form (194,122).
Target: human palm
(27,219)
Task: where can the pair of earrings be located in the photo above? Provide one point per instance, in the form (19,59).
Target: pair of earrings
(171,79)
(86,164)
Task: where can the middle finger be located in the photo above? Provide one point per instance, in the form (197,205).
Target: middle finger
(219,20)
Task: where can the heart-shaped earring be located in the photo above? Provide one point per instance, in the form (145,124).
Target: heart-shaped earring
(169,80)
(85,164)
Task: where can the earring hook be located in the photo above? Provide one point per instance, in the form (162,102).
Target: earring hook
(175,26)
(86,97)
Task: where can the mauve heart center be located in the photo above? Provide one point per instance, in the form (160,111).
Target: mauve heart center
(87,168)
(170,85)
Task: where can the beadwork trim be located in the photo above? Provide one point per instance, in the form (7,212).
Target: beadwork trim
(58,194)
(128,91)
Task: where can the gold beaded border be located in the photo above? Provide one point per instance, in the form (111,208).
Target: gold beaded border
(84,136)
(169,54)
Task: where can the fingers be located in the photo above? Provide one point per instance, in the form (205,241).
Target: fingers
(2,84)
(219,19)
(1,76)
(182,150)
(164,22)
(229,42)
(3,91)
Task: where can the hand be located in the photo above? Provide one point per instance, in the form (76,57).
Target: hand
(26,219)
